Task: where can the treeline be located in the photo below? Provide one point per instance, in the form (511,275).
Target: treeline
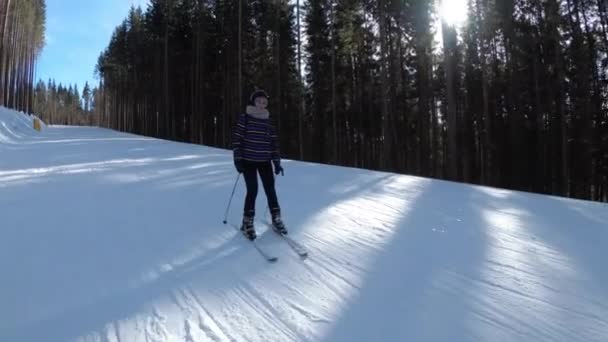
(64,105)
(516,98)
(22,25)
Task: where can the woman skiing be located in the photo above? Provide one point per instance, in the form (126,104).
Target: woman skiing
(256,149)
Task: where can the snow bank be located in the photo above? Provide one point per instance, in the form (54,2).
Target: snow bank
(16,126)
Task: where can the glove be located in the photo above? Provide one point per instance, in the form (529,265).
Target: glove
(278,168)
(238,163)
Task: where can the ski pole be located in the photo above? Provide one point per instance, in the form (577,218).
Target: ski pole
(231,196)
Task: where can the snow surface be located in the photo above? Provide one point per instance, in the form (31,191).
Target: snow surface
(106,236)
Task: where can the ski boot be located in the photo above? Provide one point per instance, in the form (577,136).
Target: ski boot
(277,224)
(248,229)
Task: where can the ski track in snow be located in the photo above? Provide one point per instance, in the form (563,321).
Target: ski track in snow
(206,323)
(112,237)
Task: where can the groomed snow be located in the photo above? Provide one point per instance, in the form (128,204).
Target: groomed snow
(106,236)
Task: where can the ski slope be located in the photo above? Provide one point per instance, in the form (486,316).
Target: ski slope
(106,236)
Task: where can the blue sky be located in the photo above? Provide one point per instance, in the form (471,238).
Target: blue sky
(76,33)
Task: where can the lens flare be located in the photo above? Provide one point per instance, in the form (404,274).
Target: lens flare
(454,12)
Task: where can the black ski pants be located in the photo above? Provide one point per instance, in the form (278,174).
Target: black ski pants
(250,173)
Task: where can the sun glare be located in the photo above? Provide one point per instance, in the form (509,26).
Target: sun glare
(454,12)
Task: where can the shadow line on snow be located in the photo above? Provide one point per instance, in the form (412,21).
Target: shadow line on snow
(403,292)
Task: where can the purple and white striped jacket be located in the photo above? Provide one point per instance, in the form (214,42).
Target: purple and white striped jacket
(255,139)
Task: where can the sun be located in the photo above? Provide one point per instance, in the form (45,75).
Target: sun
(454,12)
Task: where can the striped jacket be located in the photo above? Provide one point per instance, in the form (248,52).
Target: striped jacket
(255,140)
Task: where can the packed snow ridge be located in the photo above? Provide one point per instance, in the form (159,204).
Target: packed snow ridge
(107,236)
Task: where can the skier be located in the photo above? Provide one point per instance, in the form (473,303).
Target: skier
(256,150)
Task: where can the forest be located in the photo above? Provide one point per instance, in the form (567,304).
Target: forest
(22,27)
(516,97)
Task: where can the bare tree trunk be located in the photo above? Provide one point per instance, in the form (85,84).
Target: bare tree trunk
(423,39)
(166,114)
(334,157)
(541,169)
(14,67)
(601,5)
(30,91)
(8,67)
(279,104)
(240,76)
(449,46)
(300,87)
(5,14)
(384,92)
(486,143)
(561,110)
(4,43)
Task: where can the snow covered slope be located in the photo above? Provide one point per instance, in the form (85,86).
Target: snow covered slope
(106,236)
(15,126)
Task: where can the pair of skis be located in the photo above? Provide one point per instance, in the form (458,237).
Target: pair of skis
(300,250)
